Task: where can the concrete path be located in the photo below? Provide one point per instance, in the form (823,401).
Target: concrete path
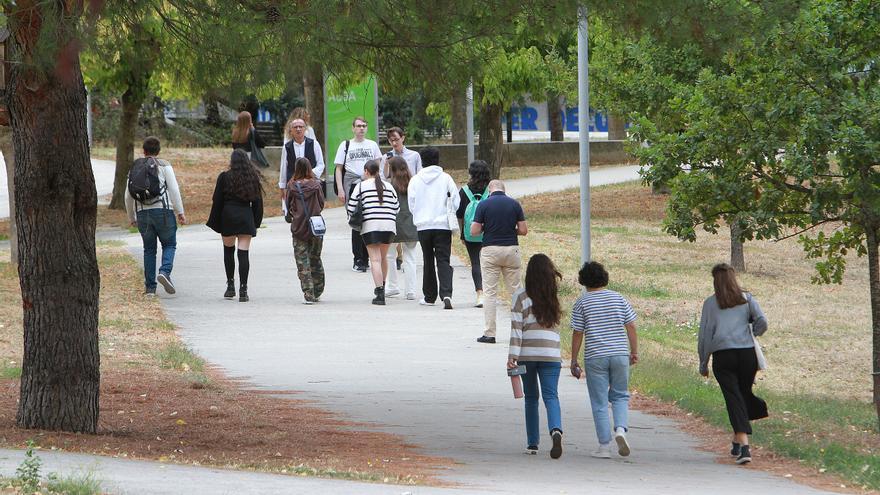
(104,171)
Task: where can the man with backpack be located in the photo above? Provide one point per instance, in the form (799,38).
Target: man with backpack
(152,199)
(500,219)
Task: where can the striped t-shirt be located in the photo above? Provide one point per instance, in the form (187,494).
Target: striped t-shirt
(601,315)
(378,216)
(529,340)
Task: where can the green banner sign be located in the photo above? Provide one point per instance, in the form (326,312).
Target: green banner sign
(340,109)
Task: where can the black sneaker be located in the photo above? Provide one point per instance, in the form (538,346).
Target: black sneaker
(486,340)
(556,451)
(165,280)
(362,268)
(735,448)
(242,294)
(744,455)
(531,450)
(150,292)
(399,263)
(230,289)
(355,267)
(447,303)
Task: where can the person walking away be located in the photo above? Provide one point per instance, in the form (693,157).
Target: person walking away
(431,195)
(306,199)
(730,321)
(396,138)
(604,321)
(351,157)
(297,145)
(236,212)
(500,219)
(407,236)
(245,137)
(534,341)
(469,198)
(152,180)
(380,206)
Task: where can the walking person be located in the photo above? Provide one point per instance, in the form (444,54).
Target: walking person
(407,236)
(236,212)
(469,198)
(729,323)
(304,115)
(351,157)
(154,217)
(380,206)
(396,138)
(500,219)
(297,145)
(431,195)
(604,321)
(534,342)
(245,137)
(305,199)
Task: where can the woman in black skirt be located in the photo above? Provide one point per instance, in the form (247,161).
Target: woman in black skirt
(236,212)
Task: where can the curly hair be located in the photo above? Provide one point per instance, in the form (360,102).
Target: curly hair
(479,176)
(245,181)
(542,288)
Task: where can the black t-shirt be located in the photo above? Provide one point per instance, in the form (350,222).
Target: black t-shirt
(463,202)
(499,214)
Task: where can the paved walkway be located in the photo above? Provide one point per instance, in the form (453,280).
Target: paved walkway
(412,370)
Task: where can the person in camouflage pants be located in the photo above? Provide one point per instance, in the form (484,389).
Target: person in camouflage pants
(309,267)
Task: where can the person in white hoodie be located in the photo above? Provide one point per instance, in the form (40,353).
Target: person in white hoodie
(427,195)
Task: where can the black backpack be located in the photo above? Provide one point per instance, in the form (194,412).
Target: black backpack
(143,181)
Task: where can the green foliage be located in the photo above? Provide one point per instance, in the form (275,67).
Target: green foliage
(76,484)
(27,475)
(177,356)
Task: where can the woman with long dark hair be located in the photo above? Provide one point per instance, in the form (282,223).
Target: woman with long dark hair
(534,342)
(380,205)
(407,236)
(474,191)
(305,198)
(730,321)
(236,212)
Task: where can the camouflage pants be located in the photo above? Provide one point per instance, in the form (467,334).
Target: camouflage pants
(309,267)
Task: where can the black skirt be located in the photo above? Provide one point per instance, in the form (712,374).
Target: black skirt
(237,219)
(377,237)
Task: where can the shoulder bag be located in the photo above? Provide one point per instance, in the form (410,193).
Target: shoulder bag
(257,153)
(759,353)
(316,222)
(356,219)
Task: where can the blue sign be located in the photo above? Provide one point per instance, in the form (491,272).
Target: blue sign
(527,119)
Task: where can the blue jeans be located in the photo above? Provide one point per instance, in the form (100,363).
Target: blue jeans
(153,224)
(608,380)
(548,374)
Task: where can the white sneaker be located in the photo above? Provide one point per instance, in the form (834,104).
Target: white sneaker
(622,444)
(411,296)
(603,452)
(425,303)
(392,292)
(479,303)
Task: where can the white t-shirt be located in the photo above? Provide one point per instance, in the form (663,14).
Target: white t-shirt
(359,153)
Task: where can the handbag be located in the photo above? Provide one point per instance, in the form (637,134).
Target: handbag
(356,218)
(451,218)
(316,222)
(759,353)
(257,153)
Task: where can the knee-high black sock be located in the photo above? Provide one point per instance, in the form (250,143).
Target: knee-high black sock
(229,261)
(244,266)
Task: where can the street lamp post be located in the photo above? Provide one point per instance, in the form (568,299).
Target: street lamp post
(584,129)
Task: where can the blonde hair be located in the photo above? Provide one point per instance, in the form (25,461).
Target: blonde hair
(296,113)
(242,127)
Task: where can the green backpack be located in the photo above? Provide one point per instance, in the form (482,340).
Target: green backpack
(469,213)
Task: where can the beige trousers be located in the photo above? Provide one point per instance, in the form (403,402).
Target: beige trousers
(497,263)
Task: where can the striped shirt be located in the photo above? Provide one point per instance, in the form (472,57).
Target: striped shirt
(601,316)
(378,217)
(529,340)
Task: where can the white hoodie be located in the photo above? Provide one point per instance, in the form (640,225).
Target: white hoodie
(427,194)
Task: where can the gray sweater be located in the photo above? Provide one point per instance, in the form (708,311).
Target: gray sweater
(722,329)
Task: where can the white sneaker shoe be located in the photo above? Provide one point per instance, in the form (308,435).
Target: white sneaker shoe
(622,444)
(423,302)
(479,303)
(392,292)
(411,296)
(603,452)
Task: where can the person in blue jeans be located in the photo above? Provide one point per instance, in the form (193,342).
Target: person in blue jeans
(534,342)
(156,220)
(605,322)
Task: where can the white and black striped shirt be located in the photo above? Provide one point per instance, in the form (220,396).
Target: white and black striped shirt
(601,315)
(378,216)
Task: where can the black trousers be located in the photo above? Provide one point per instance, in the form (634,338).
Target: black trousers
(436,248)
(735,371)
(358,248)
(473,250)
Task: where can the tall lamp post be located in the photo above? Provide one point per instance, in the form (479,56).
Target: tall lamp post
(584,129)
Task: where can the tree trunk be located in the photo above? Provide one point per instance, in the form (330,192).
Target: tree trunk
(9,157)
(509,127)
(616,127)
(131,107)
(55,191)
(557,131)
(874,284)
(491,147)
(212,110)
(313,86)
(458,112)
(737,257)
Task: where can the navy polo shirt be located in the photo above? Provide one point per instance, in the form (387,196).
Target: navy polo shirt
(499,214)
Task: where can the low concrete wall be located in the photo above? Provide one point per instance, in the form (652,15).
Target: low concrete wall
(518,154)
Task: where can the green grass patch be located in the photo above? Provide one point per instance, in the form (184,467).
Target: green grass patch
(4,237)
(177,356)
(74,484)
(111,243)
(8,372)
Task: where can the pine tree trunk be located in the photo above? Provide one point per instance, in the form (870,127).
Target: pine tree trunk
(874,284)
(737,256)
(9,157)
(616,128)
(491,147)
(509,126)
(212,110)
(313,86)
(58,269)
(458,113)
(557,131)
